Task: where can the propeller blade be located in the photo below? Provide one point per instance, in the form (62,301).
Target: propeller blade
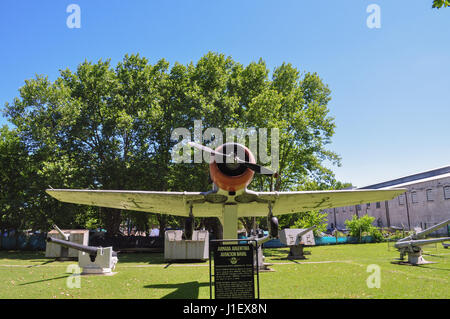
(257,168)
(207,149)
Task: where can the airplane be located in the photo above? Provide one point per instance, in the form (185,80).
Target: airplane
(232,167)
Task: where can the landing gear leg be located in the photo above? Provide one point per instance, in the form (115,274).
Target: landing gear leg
(229,222)
(189,226)
(272,223)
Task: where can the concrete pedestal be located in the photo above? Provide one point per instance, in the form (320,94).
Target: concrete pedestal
(176,248)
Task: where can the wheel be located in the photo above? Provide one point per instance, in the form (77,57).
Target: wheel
(273,229)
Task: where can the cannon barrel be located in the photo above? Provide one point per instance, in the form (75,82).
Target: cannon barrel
(427,231)
(403,244)
(305,231)
(92,251)
(64,235)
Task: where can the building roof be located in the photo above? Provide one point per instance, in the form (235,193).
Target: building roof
(413,179)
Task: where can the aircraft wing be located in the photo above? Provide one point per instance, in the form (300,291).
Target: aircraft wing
(303,201)
(203,205)
(173,203)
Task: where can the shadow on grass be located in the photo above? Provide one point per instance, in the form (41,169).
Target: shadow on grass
(150,258)
(424,266)
(153,259)
(427,266)
(273,252)
(282,254)
(22,255)
(52,260)
(37,258)
(428,254)
(186,290)
(43,280)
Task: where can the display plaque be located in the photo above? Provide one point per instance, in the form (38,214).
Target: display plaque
(233,271)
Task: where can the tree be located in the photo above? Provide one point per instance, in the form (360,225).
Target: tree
(110,128)
(441,3)
(22,205)
(293,103)
(87,128)
(14,172)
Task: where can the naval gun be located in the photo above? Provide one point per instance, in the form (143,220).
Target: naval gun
(412,245)
(93,260)
(296,239)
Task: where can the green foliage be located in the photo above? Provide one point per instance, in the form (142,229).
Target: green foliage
(92,223)
(362,226)
(441,3)
(377,234)
(312,218)
(14,174)
(359,225)
(399,234)
(339,234)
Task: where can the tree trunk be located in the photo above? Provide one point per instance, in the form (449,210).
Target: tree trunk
(248,224)
(162,218)
(218,228)
(213,224)
(146,229)
(112,219)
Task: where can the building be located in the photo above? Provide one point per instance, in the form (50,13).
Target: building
(425,203)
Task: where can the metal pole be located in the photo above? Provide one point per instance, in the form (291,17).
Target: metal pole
(407,210)
(229,218)
(388,219)
(210,275)
(335,223)
(257,265)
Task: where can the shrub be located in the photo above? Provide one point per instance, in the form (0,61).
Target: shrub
(399,234)
(362,226)
(376,234)
(357,226)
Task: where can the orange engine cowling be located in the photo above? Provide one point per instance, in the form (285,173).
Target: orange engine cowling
(231,176)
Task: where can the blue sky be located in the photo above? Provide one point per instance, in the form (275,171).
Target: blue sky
(390,86)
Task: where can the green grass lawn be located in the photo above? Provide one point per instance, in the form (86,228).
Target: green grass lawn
(329,272)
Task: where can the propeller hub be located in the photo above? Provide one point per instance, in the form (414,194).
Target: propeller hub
(226,172)
(234,164)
